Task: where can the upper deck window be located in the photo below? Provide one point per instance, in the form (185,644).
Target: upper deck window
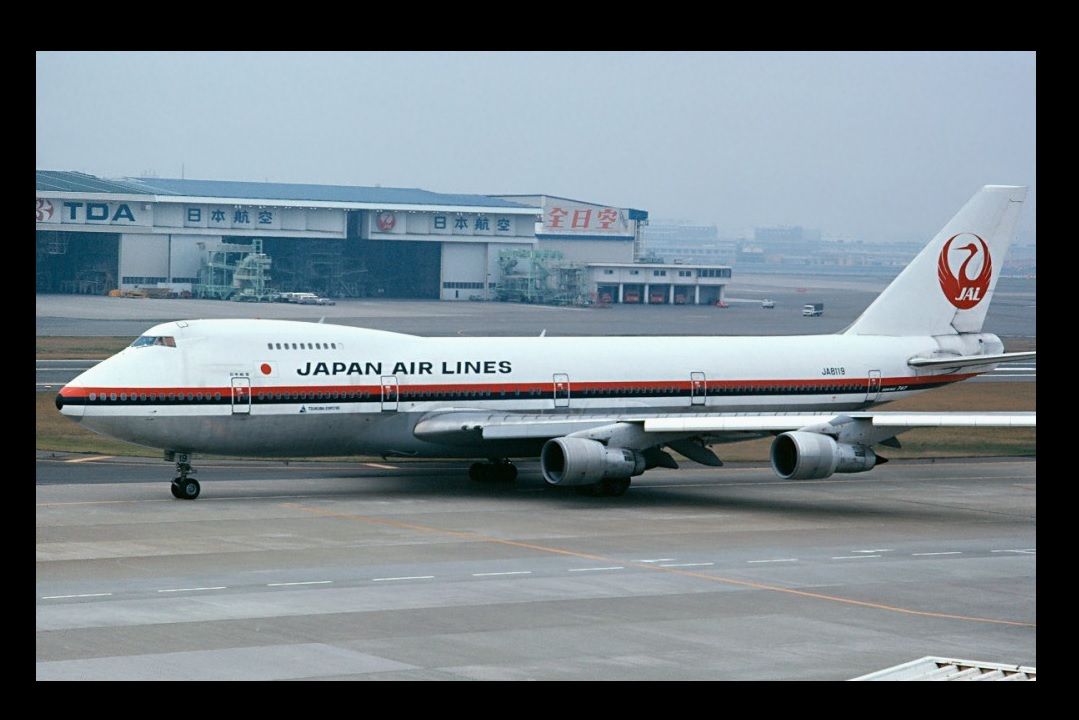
(147,340)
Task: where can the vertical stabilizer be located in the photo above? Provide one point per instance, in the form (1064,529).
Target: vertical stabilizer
(947,288)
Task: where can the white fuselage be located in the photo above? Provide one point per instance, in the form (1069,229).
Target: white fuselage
(288,388)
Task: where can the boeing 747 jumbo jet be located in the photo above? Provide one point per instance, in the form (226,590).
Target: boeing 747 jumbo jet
(596,411)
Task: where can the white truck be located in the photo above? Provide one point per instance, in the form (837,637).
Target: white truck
(812,309)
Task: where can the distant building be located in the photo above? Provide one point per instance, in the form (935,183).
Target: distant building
(95,235)
(685,243)
(784,245)
(658,283)
(585,232)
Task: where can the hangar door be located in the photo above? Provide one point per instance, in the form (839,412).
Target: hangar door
(464,271)
(85,263)
(401,268)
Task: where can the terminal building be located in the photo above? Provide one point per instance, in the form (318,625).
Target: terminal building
(96,235)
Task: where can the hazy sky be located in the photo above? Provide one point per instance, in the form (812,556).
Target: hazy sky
(873,146)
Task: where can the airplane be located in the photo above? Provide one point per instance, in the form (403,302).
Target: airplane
(596,411)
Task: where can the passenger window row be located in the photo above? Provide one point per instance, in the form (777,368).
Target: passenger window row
(155,397)
(301,346)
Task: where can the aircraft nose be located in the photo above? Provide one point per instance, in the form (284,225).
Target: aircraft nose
(69,401)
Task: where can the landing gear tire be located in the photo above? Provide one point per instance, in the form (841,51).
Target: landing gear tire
(493,472)
(611,487)
(189,489)
(615,487)
(176,489)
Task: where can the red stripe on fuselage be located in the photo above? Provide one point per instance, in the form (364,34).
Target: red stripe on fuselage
(262,390)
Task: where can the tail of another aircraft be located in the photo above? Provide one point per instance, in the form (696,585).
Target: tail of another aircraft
(947,288)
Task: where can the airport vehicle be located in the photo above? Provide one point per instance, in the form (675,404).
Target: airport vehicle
(597,411)
(812,309)
(768,304)
(303,298)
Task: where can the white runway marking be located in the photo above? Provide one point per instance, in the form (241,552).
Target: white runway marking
(90,459)
(306,582)
(878,550)
(853,557)
(1028,551)
(772,561)
(658,560)
(380,466)
(219,587)
(59,597)
(512,572)
(952,552)
(612,567)
(687,564)
(408,577)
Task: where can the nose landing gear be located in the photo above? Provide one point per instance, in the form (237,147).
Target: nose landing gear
(183,487)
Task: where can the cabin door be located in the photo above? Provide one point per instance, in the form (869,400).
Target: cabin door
(561,390)
(698,388)
(389,393)
(874,386)
(241,396)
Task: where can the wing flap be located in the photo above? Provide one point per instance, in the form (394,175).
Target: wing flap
(783,423)
(468,427)
(988,419)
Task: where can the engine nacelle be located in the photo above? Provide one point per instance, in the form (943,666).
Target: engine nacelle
(578,461)
(811,456)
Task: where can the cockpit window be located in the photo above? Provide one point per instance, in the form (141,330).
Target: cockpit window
(147,340)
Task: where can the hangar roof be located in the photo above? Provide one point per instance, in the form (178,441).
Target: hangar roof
(323,193)
(76,182)
(176,190)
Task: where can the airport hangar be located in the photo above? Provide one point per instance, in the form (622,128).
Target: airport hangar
(95,235)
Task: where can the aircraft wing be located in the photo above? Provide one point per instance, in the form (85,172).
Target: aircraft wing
(635,429)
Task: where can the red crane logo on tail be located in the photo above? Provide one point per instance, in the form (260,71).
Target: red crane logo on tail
(962,291)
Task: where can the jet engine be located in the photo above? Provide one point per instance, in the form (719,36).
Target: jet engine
(803,455)
(579,461)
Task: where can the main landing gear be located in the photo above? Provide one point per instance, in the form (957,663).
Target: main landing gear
(610,487)
(495,471)
(183,487)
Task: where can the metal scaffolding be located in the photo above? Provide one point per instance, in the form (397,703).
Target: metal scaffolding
(540,276)
(232,271)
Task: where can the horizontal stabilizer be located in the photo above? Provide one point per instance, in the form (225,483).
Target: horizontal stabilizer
(968,360)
